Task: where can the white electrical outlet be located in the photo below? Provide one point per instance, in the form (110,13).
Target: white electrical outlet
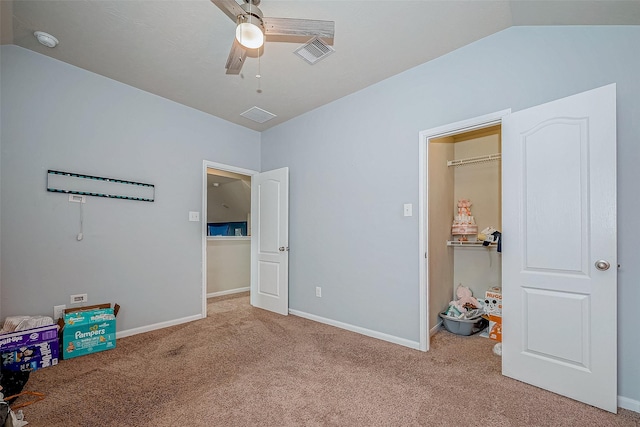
(79,298)
(76,198)
(58,311)
(318,291)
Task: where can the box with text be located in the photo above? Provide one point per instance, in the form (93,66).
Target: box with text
(30,349)
(493,302)
(88,332)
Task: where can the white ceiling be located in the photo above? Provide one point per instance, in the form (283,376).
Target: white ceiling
(177,49)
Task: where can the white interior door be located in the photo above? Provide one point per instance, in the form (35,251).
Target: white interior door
(559,243)
(270,240)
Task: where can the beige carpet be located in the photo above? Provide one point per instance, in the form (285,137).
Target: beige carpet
(243,366)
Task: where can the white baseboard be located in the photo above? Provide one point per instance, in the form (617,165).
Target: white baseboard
(435,329)
(229,292)
(630,404)
(161,325)
(357,329)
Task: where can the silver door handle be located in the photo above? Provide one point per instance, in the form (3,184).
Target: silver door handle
(282,248)
(602,265)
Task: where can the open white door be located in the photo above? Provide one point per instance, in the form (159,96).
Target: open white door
(270,240)
(559,247)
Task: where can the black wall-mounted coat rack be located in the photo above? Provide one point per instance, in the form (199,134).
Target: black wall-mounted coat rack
(88,185)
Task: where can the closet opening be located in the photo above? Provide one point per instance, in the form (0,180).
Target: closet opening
(464,225)
(460,224)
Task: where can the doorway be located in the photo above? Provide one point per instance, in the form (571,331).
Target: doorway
(435,230)
(226,230)
(467,169)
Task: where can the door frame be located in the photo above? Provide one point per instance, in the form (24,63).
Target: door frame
(207,164)
(423,203)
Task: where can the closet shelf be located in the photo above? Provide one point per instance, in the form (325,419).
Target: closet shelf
(469,244)
(474,160)
(236,238)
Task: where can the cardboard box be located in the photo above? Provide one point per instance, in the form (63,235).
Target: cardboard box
(493,301)
(89,330)
(30,349)
(495,328)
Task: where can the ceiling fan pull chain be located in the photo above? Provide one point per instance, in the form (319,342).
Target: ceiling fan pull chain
(258,76)
(259,55)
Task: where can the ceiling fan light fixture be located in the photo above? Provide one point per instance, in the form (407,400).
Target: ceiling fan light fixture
(249,33)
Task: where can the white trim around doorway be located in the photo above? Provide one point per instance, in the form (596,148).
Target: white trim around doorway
(426,135)
(206,164)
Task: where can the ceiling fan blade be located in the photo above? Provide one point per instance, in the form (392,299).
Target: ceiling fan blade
(299,27)
(230,8)
(236,58)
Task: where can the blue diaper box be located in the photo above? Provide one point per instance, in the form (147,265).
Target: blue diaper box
(30,349)
(89,331)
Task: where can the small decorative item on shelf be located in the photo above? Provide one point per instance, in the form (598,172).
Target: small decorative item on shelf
(490,235)
(464,225)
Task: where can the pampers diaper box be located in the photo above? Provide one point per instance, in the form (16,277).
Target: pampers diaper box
(88,332)
(29,349)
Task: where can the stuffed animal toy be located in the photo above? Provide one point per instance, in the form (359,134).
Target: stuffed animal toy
(465,301)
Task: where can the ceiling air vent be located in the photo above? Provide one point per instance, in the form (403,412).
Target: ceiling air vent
(314,50)
(258,115)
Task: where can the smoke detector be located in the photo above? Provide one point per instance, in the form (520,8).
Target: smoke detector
(46,39)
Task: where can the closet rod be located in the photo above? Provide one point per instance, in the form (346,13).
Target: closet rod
(472,160)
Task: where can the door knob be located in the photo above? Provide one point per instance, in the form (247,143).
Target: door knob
(602,265)
(282,248)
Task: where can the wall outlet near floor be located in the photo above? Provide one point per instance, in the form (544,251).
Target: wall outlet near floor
(318,291)
(58,311)
(78,298)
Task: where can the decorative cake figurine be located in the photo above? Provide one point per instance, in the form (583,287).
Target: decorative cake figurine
(464,224)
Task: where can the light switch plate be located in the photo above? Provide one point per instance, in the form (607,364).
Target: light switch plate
(194,216)
(408,209)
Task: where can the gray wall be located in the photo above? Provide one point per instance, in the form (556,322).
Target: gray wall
(354,162)
(229,202)
(145,256)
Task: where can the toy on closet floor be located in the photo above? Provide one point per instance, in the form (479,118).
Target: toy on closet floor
(465,306)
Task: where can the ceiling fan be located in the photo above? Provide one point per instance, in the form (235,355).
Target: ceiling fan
(252,29)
